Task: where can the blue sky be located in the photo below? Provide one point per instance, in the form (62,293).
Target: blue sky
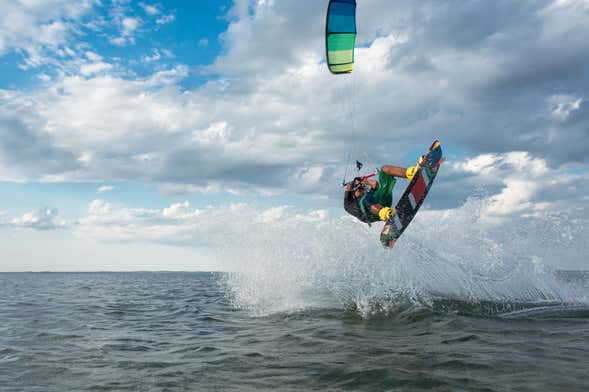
(169,124)
(188,32)
(170,34)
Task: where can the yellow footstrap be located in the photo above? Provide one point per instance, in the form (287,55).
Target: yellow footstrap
(410,172)
(386,213)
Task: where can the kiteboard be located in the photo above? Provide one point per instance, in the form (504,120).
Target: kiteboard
(414,195)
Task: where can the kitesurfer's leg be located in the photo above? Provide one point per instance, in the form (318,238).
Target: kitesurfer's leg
(383,196)
(375,208)
(395,171)
(398,171)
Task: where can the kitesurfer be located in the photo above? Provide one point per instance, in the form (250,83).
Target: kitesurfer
(370,200)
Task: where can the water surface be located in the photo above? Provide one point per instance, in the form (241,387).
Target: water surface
(182,331)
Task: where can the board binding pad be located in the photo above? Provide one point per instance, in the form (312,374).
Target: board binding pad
(413,197)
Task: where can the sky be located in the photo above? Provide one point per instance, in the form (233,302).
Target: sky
(140,135)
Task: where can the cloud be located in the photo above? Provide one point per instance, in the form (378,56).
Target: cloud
(105,188)
(166,19)
(58,35)
(561,106)
(156,11)
(250,239)
(514,198)
(180,224)
(515,184)
(129,25)
(41,219)
(249,36)
(40,28)
(23,138)
(503,164)
(119,41)
(154,57)
(150,9)
(502,83)
(94,68)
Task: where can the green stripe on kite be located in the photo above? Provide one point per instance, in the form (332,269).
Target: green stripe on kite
(342,41)
(340,50)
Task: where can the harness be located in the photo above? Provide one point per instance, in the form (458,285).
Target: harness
(367,214)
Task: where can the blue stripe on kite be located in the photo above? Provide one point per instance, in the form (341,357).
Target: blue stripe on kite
(341,24)
(342,17)
(342,9)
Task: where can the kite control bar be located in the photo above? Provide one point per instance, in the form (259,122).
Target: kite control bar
(367,176)
(360,178)
(358,167)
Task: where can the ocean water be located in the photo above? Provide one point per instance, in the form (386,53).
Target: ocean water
(196,332)
(463,303)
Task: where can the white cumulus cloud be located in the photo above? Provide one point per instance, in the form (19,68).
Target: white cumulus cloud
(182,225)
(41,219)
(33,26)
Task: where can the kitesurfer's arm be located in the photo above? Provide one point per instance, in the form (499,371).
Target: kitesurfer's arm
(353,184)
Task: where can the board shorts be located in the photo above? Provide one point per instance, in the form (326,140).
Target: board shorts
(383,194)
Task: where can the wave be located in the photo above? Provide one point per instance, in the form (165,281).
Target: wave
(460,255)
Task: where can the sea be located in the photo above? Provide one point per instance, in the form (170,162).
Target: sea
(180,331)
(462,303)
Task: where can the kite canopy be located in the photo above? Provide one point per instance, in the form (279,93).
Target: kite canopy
(340,35)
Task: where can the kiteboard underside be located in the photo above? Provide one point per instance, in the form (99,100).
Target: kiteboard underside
(413,197)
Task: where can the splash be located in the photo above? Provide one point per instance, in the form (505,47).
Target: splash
(458,255)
